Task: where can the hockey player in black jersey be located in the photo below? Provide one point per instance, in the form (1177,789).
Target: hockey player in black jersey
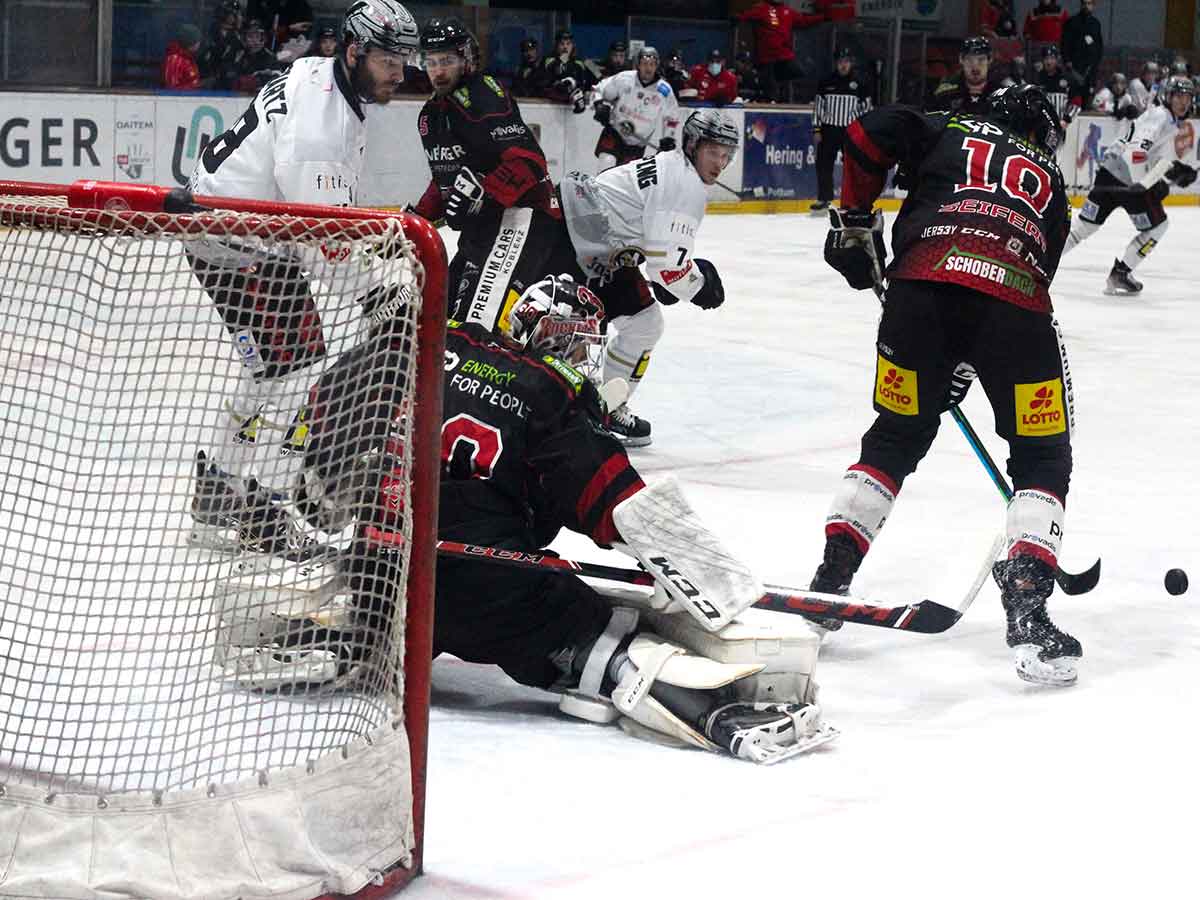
(523,456)
(490,181)
(976,245)
(969,89)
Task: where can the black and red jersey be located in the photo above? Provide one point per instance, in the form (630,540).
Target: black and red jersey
(479,126)
(987,209)
(520,443)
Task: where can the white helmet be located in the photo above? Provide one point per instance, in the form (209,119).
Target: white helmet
(380,23)
(709,125)
(558,317)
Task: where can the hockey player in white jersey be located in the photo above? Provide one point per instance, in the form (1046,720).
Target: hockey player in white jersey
(301,140)
(645,212)
(638,109)
(1135,174)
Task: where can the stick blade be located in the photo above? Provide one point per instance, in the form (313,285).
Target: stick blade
(1073,584)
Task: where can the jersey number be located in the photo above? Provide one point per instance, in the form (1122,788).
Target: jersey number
(222,148)
(484,441)
(1021,178)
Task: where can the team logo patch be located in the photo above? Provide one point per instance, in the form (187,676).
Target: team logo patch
(423,125)
(1039,408)
(640,369)
(896,388)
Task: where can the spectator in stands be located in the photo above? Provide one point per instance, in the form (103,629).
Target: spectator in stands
(837,10)
(1114,99)
(968,90)
(616,61)
(283,19)
(1145,87)
(1044,24)
(993,13)
(326,43)
(180,70)
(675,74)
(1083,46)
(527,79)
(750,86)
(257,65)
(218,62)
(297,45)
(773,22)
(564,77)
(713,82)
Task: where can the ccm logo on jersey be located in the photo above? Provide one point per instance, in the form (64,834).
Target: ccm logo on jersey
(685,587)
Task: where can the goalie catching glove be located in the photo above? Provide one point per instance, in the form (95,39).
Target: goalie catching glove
(854,246)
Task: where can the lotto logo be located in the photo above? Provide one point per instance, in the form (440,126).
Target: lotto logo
(1039,408)
(896,388)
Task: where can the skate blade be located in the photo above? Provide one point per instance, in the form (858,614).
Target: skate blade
(218,538)
(632,442)
(1060,672)
(1119,292)
(820,737)
(293,564)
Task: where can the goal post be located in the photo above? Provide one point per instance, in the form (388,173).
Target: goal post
(245,719)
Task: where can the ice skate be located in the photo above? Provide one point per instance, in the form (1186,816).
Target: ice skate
(630,430)
(268,534)
(1121,282)
(768,732)
(820,208)
(217,508)
(834,574)
(1044,653)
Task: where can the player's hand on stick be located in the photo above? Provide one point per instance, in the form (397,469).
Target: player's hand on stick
(465,198)
(854,246)
(1180,174)
(666,144)
(602,111)
(960,383)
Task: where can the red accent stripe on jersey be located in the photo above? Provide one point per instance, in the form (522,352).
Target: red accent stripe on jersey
(605,531)
(1021,548)
(864,170)
(857,135)
(605,475)
(519,358)
(842,528)
(879,475)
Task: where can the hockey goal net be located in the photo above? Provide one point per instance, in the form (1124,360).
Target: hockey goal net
(155,740)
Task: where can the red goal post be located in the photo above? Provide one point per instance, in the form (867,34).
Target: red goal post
(130,763)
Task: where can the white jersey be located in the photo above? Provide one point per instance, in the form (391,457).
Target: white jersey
(1142,96)
(641,114)
(301,141)
(1155,140)
(647,211)
(1106,102)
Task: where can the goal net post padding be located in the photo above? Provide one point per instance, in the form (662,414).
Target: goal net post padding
(137,757)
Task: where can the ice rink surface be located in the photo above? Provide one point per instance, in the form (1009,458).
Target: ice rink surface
(952,778)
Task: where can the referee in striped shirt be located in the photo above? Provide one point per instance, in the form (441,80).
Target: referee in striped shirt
(841,98)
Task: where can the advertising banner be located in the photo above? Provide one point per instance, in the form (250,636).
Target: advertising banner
(778,156)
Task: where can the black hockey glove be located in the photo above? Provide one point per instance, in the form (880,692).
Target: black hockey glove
(666,145)
(1128,111)
(465,199)
(602,111)
(578,100)
(1180,174)
(712,294)
(854,246)
(960,383)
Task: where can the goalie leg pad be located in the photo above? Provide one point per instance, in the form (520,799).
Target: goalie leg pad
(585,701)
(694,568)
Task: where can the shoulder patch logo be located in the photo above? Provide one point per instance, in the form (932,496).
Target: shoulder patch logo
(463,96)
(573,377)
(494,85)
(664,88)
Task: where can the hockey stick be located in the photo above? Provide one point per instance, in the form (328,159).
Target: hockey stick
(1070,583)
(923,617)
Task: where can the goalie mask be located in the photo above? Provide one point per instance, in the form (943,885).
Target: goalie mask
(558,317)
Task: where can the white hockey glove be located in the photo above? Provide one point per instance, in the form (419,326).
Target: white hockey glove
(960,383)
(465,198)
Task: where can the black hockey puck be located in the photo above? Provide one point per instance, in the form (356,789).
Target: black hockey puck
(1175,582)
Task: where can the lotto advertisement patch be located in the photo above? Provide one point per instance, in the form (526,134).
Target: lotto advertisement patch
(1039,408)
(896,388)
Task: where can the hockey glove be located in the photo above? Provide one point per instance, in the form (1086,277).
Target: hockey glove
(960,383)
(854,246)
(712,294)
(666,145)
(578,100)
(602,111)
(1180,174)
(464,200)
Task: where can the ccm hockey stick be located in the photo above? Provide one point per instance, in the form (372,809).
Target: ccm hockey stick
(923,617)
(1070,583)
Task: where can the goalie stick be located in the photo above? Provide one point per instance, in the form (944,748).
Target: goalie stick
(1070,582)
(923,617)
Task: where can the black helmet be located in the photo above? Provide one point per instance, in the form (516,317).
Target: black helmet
(618,47)
(975,46)
(844,53)
(563,34)
(380,23)
(529,44)
(327,31)
(1026,110)
(449,34)
(1050,50)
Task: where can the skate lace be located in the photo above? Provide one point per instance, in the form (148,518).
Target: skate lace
(623,416)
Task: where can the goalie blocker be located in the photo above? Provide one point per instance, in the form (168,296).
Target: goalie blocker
(684,667)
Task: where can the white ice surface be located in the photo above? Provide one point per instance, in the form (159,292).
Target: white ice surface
(952,777)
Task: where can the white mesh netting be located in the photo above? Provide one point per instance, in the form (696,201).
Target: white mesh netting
(201,664)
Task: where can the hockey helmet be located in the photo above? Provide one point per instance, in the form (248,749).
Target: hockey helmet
(618,47)
(380,23)
(709,125)
(1026,110)
(450,35)
(975,46)
(558,317)
(1051,51)
(647,52)
(1178,84)
(1118,80)
(843,53)
(529,44)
